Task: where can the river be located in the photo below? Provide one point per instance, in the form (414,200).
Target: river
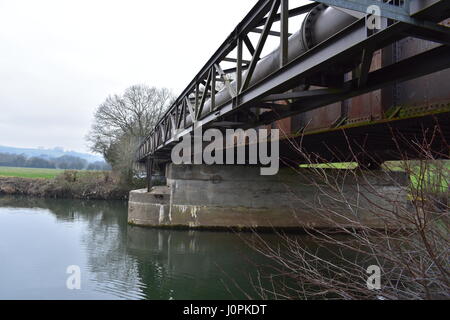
(41,238)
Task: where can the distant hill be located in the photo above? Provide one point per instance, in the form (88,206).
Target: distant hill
(50,153)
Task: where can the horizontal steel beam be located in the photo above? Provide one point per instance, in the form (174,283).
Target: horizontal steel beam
(235,60)
(425,63)
(301,94)
(430,35)
(400,13)
(271,33)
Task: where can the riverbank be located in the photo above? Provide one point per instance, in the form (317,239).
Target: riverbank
(68,185)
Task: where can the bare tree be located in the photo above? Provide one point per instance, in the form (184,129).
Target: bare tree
(122,121)
(410,245)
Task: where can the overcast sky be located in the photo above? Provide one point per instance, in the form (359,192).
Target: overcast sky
(59,59)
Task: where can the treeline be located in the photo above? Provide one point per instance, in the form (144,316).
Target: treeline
(63,162)
(122,121)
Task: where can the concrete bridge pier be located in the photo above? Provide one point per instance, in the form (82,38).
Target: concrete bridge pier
(203,196)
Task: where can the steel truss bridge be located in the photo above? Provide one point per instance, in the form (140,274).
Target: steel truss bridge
(243,96)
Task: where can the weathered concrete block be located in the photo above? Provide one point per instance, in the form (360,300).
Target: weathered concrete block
(238,196)
(149,208)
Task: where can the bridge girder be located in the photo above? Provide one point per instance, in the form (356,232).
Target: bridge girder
(417,18)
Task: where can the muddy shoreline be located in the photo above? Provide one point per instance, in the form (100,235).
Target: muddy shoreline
(63,189)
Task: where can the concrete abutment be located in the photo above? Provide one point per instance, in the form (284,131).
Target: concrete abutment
(202,196)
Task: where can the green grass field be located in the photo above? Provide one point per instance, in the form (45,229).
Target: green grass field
(29,172)
(431,177)
(341,165)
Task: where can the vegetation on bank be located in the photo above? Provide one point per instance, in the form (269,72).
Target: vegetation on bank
(120,123)
(95,185)
(434,177)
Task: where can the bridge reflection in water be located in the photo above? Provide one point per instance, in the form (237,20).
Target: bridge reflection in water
(40,238)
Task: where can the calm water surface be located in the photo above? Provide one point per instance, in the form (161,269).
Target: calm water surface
(40,238)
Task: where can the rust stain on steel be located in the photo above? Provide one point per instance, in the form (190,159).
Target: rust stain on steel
(427,92)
